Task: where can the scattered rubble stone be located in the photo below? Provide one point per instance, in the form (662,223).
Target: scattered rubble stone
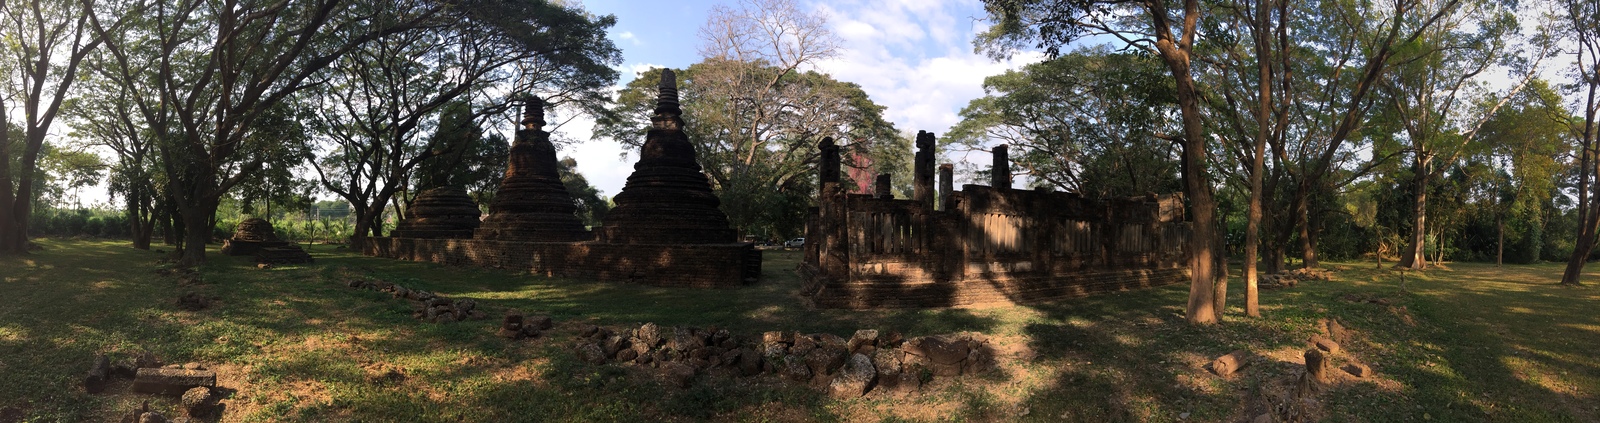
(854,379)
(199,402)
(194,301)
(843,367)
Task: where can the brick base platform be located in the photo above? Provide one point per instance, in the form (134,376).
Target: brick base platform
(699,266)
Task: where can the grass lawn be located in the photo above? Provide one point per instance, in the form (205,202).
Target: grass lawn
(1470,342)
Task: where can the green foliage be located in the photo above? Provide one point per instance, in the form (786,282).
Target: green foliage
(592,206)
(1084,122)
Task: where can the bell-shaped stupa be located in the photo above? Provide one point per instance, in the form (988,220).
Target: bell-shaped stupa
(443,212)
(532,204)
(667,200)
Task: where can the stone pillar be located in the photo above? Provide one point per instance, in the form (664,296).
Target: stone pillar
(828,165)
(881,187)
(1002,168)
(922,171)
(947,185)
(823,230)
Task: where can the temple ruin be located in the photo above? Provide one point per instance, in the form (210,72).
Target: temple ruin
(666,229)
(983,244)
(255,237)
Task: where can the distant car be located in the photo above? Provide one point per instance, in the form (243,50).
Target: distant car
(794,243)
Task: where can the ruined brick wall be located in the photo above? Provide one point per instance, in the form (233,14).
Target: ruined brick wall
(700,266)
(993,246)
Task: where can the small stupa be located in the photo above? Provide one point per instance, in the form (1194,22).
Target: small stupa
(532,204)
(667,199)
(256,237)
(443,212)
(250,236)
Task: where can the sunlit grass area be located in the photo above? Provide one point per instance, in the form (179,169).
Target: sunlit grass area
(1469,342)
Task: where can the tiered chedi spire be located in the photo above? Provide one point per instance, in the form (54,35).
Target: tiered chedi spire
(667,200)
(532,204)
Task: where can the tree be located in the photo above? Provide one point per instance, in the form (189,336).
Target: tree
(1265,23)
(1085,122)
(592,206)
(1523,140)
(1582,24)
(1427,93)
(1148,25)
(45,42)
(218,67)
(104,115)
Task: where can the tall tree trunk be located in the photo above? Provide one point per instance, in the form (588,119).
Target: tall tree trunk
(197,226)
(1414,256)
(1500,243)
(1280,247)
(138,213)
(7,222)
(1586,233)
(1302,220)
(358,236)
(1313,234)
(1220,283)
(1252,219)
(1201,308)
(14,233)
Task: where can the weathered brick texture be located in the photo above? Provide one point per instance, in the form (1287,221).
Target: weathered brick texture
(700,266)
(985,245)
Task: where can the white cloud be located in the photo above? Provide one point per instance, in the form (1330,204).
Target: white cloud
(629,37)
(915,58)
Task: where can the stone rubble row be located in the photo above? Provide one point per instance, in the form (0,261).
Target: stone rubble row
(844,367)
(426,306)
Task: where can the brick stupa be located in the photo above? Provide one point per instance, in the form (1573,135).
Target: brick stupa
(532,204)
(250,236)
(667,199)
(443,212)
(256,237)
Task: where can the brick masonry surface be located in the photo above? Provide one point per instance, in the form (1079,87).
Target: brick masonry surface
(699,266)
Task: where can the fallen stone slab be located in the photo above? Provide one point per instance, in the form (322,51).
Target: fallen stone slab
(99,373)
(1358,370)
(1327,345)
(1228,364)
(172,381)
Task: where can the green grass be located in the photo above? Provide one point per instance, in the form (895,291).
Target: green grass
(295,344)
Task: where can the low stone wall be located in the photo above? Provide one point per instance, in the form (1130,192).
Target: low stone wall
(699,266)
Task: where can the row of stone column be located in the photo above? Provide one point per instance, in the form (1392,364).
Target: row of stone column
(922,172)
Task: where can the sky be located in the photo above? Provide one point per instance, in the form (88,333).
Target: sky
(914,57)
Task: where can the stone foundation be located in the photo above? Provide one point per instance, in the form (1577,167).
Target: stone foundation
(912,293)
(698,266)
